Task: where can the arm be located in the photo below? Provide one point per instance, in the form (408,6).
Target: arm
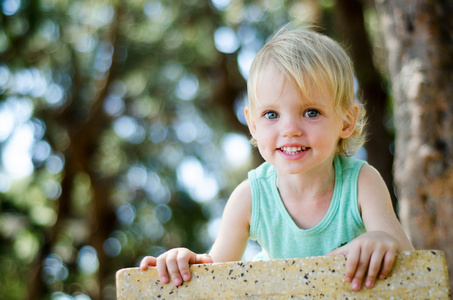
(373,252)
(229,245)
(376,207)
(235,227)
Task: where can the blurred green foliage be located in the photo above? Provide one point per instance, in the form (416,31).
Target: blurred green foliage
(121,131)
(121,134)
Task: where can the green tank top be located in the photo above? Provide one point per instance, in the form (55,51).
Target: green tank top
(279,236)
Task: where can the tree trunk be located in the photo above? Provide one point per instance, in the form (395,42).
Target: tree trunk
(419,40)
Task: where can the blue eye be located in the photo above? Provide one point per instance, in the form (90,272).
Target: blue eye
(270,115)
(312,113)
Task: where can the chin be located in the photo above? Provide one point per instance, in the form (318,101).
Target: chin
(291,170)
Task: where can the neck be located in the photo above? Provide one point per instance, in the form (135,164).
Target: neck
(307,186)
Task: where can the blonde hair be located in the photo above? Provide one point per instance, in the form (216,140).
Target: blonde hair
(312,61)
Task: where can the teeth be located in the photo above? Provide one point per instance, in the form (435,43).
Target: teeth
(293,150)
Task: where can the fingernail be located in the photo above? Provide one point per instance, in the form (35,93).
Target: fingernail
(164,279)
(369,284)
(186,277)
(177,281)
(355,286)
(348,279)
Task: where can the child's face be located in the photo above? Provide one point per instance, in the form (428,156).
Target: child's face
(293,133)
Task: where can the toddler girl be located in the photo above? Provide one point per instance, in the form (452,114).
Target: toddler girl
(309,198)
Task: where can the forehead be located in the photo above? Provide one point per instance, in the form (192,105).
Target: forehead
(273,86)
(271,83)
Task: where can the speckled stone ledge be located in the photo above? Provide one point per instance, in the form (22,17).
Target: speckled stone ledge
(418,274)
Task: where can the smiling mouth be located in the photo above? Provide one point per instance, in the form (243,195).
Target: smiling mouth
(292,150)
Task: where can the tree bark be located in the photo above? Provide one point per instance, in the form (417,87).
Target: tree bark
(419,41)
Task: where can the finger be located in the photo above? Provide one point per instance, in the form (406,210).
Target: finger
(339,251)
(352,262)
(373,268)
(147,261)
(361,270)
(184,257)
(161,264)
(387,264)
(203,259)
(173,268)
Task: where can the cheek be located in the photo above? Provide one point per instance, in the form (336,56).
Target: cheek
(264,137)
(324,136)
(264,132)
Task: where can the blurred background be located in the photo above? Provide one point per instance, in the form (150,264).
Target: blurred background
(122,131)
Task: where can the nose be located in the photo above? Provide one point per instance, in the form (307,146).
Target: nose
(291,127)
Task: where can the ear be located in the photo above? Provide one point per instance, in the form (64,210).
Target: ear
(350,122)
(250,123)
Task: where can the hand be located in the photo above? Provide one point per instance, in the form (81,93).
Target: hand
(176,263)
(373,251)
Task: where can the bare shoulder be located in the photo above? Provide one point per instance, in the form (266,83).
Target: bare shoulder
(374,199)
(240,200)
(371,187)
(368,174)
(243,190)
